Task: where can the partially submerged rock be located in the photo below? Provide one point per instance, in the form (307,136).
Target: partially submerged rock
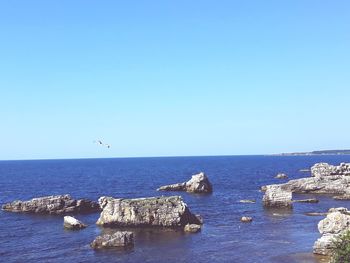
(334,225)
(192,228)
(72,223)
(145,212)
(281,176)
(57,204)
(199,183)
(315,214)
(246,219)
(118,239)
(247,201)
(311,200)
(275,196)
(342,197)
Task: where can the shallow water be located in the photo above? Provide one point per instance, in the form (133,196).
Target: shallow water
(273,236)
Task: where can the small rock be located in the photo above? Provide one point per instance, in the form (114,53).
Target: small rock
(315,214)
(246,219)
(304,170)
(311,200)
(281,176)
(192,228)
(247,201)
(70,222)
(118,239)
(200,219)
(342,197)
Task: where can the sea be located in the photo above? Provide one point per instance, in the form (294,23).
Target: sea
(272,236)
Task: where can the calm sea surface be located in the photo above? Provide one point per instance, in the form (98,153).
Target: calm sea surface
(273,236)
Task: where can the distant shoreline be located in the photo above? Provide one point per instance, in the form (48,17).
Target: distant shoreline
(325,152)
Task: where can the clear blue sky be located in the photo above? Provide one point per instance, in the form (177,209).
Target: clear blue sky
(163,78)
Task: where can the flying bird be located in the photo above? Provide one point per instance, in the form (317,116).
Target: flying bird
(99,142)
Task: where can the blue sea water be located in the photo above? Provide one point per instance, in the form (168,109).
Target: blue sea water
(273,236)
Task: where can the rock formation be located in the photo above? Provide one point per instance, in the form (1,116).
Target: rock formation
(281,176)
(334,225)
(58,204)
(72,223)
(192,228)
(275,196)
(153,211)
(118,239)
(199,183)
(325,179)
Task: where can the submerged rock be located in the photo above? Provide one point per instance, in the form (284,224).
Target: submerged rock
(311,200)
(315,214)
(72,223)
(334,225)
(281,176)
(247,201)
(342,197)
(192,228)
(246,219)
(118,239)
(56,204)
(153,211)
(275,196)
(199,183)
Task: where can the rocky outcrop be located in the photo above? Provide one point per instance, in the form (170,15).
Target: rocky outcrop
(246,219)
(118,239)
(192,228)
(199,183)
(58,204)
(275,196)
(334,225)
(325,179)
(281,176)
(150,212)
(72,223)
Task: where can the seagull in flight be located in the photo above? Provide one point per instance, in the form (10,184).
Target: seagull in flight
(99,142)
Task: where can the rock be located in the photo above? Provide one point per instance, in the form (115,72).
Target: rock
(342,197)
(311,200)
(334,225)
(192,228)
(70,222)
(153,211)
(200,219)
(246,219)
(247,201)
(326,179)
(118,239)
(304,170)
(58,204)
(315,214)
(275,196)
(281,176)
(199,183)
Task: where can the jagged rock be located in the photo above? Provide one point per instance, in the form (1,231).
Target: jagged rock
(247,201)
(192,228)
(70,222)
(311,200)
(246,219)
(199,183)
(153,211)
(118,239)
(281,176)
(326,179)
(275,196)
(334,225)
(58,204)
